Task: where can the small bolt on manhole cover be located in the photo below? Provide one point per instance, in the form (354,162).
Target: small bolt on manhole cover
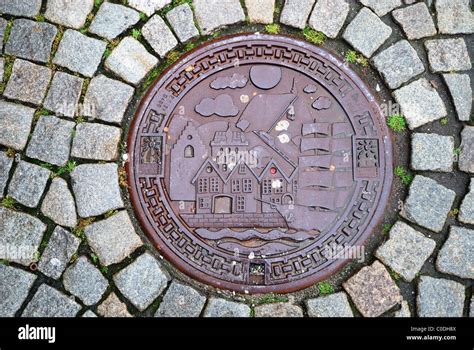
(257,162)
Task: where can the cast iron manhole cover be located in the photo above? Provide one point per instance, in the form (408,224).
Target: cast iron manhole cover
(257,162)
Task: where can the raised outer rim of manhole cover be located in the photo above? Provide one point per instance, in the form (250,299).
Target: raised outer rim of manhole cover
(258,289)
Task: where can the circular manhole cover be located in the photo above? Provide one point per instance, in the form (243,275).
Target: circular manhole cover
(259,164)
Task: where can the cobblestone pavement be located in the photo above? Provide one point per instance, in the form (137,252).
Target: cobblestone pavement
(72,72)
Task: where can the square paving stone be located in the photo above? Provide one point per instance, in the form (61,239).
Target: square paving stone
(20,236)
(448,55)
(406,250)
(420,103)
(14,287)
(460,88)
(5,166)
(366,33)
(31,40)
(49,302)
(62,245)
(432,152)
(295,13)
(69,13)
(96,189)
(416,21)
(131,61)
(398,64)
(454,16)
(260,11)
(112,20)
(51,140)
(456,257)
(85,281)
(404,310)
(96,141)
(181,19)
(372,290)
(113,307)
(466,211)
(148,7)
(113,239)
(439,297)
(58,204)
(382,7)
(89,313)
(28,183)
(278,310)
(334,305)
(79,53)
(328,16)
(28,82)
(142,281)
(466,157)
(107,99)
(217,307)
(212,14)
(15,124)
(181,301)
(159,36)
(428,203)
(21,8)
(64,93)
(3,26)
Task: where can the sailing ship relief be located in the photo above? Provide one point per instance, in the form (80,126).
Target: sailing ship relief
(260,160)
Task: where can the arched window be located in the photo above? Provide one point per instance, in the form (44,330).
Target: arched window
(189,152)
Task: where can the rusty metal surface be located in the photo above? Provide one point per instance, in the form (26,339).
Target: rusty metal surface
(256,160)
